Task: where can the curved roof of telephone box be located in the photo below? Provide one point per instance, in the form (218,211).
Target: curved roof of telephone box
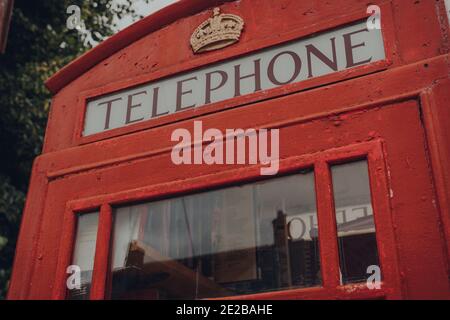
(122,39)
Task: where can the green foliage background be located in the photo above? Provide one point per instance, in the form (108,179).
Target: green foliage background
(39,43)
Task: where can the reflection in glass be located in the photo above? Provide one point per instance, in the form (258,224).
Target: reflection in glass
(355,223)
(83,256)
(240,240)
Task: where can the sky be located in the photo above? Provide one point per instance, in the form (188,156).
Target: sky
(143,9)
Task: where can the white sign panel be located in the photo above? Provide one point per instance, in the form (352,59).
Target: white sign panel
(292,62)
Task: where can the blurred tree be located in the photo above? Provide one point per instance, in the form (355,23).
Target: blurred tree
(39,44)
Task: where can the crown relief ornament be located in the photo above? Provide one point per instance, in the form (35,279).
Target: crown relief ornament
(217,32)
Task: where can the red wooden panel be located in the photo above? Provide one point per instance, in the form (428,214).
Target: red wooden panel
(120,60)
(329,255)
(326,221)
(65,256)
(101,261)
(402,103)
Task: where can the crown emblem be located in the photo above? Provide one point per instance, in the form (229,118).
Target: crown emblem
(217,32)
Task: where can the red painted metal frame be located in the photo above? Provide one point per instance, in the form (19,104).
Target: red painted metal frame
(65,257)
(101,266)
(102,250)
(417,77)
(434,137)
(158,20)
(331,287)
(6,10)
(439,159)
(201,62)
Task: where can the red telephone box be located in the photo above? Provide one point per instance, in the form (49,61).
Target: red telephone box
(358,207)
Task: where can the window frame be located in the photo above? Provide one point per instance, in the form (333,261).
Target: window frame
(331,288)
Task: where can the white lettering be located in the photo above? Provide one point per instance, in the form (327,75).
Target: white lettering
(374,21)
(374,281)
(213,153)
(181,152)
(74,280)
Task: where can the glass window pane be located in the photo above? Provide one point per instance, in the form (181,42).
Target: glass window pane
(240,240)
(84,252)
(355,223)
